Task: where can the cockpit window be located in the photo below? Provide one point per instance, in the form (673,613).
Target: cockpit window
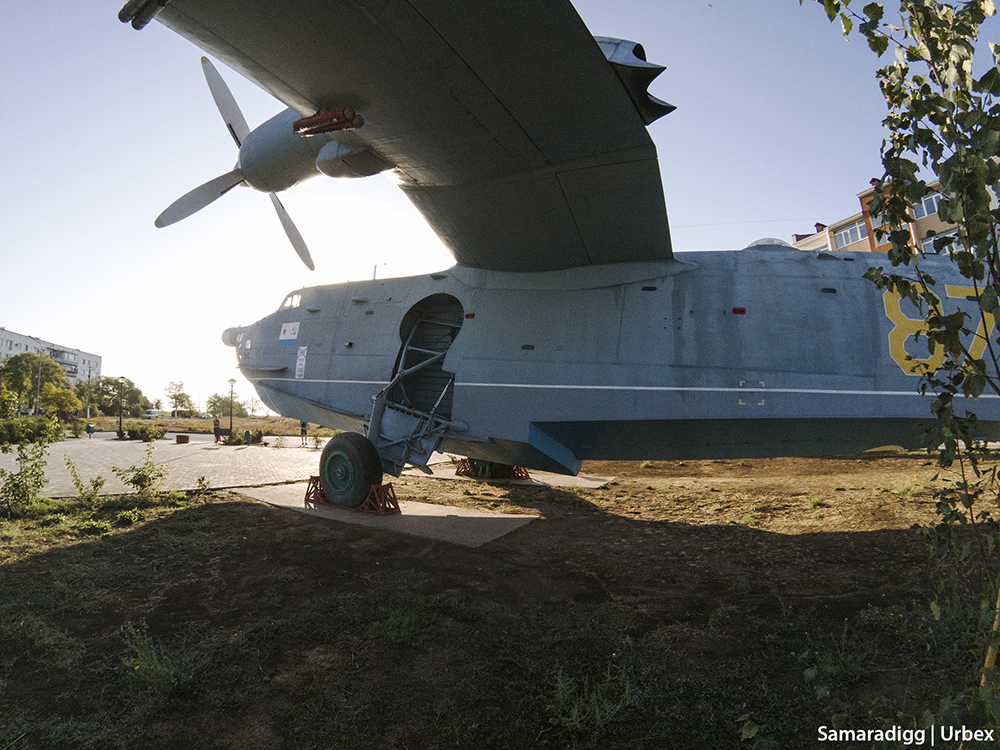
(292,300)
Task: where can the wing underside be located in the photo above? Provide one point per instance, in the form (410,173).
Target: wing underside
(505,123)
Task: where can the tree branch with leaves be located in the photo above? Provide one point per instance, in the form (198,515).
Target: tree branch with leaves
(943,119)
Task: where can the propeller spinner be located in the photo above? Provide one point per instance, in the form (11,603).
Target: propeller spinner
(201,196)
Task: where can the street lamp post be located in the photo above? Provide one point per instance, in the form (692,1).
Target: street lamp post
(38,382)
(38,379)
(121,403)
(89,372)
(232,383)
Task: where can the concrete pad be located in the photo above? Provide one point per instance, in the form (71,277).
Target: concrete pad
(443,467)
(469,528)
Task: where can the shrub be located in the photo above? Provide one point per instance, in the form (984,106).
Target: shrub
(29,430)
(136,430)
(19,488)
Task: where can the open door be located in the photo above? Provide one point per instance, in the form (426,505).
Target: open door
(411,413)
(427,332)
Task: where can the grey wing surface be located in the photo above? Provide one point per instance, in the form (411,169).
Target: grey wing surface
(505,123)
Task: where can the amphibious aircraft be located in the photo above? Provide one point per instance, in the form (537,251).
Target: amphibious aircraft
(567,329)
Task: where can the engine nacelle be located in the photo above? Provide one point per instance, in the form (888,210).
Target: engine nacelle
(273,158)
(337,160)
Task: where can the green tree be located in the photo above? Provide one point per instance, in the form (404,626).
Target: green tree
(20,374)
(218,403)
(105,397)
(945,119)
(61,401)
(179,400)
(8,402)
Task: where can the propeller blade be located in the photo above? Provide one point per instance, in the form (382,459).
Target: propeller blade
(226,103)
(198,198)
(293,234)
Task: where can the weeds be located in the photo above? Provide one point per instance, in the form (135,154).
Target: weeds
(94,527)
(152,663)
(86,494)
(129,517)
(582,706)
(144,479)
(202,487)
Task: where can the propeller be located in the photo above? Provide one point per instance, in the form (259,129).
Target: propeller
(212,190)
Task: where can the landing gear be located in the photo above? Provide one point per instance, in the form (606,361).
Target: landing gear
(348,468)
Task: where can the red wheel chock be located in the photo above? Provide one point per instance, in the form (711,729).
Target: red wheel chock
(314,493)
(381,501)
(381,498)
(464,469)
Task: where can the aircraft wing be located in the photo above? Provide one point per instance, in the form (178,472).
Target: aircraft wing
(506,124)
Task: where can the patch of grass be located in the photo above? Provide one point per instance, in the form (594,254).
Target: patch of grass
(817,502)
(720,616)
(750,521)
(401,628)
(646,465)
(49,644)
(94,527)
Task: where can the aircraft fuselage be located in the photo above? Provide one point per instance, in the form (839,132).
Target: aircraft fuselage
(766,351)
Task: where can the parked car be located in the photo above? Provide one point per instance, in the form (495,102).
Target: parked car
(150,414)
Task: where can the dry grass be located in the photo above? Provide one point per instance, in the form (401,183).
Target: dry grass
(267,425)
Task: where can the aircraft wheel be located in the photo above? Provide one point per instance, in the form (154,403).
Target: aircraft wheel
(348,468)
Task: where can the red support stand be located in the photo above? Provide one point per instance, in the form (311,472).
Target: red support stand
(314,493)
(381,501)
(464,469)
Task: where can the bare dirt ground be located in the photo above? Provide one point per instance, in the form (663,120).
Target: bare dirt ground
(687,587)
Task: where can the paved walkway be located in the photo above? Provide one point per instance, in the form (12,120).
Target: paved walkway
(273,475)
(222,466)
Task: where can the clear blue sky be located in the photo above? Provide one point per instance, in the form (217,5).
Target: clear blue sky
(777,127)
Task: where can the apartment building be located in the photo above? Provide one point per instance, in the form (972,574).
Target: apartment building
(78,364)
(857,233)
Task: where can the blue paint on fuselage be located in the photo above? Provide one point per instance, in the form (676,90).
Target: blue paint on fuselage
(765,351)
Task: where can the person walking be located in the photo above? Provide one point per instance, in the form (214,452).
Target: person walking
(303,429)
(216,429)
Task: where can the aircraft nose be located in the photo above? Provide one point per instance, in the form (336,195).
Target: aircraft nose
(232,336)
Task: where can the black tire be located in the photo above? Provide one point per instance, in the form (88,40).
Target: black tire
(348,468)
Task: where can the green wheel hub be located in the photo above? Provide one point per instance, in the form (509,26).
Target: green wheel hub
(340,471)
(348,468)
